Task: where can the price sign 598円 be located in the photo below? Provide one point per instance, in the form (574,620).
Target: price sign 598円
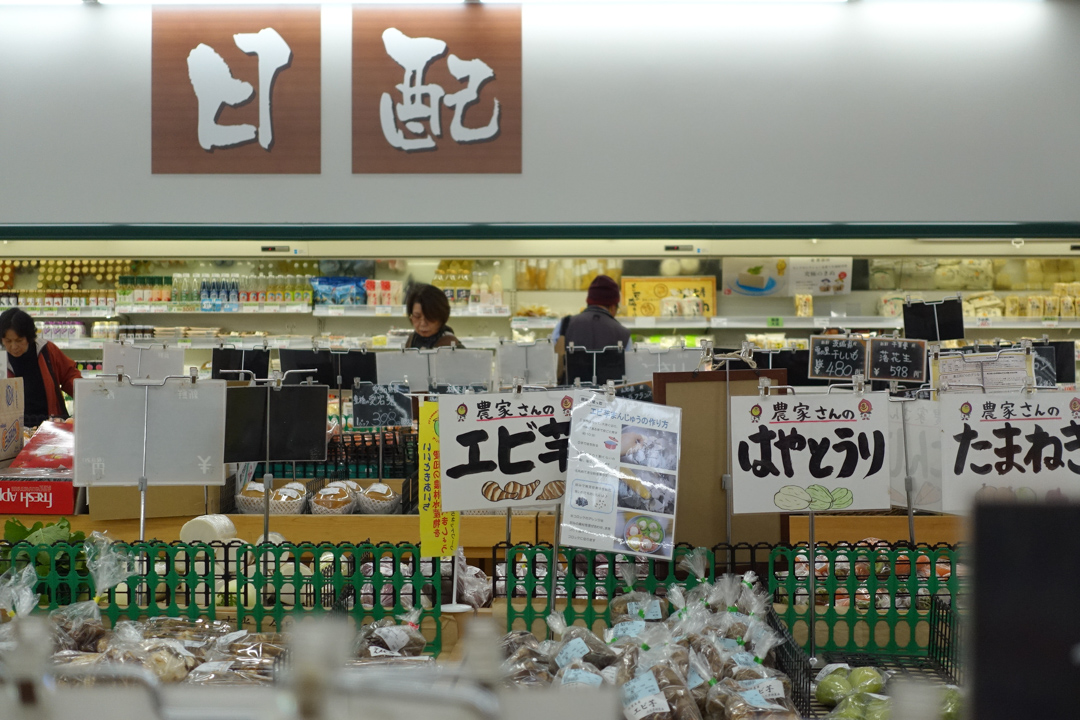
(813,452)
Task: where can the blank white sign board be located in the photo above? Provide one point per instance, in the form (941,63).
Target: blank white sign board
(534,362)
(404,366)
(142,363)
(185,432)
(462,367)
(642,362)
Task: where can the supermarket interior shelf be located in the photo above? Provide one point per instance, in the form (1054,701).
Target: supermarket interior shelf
(1020,323)
(644,323)
(534,323)
(221,308)
(399,311)
(869,322)
(70,312)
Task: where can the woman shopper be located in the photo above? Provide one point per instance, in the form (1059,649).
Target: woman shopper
(428,310)
(46,371)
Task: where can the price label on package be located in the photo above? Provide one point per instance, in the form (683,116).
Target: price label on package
(642,697)
(573,650)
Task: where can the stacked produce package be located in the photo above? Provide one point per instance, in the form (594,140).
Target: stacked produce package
(695,655)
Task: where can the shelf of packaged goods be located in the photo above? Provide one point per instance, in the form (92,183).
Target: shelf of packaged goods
(478,533)
(647,323)
(293,342)
(398,311)
(533,323)
(194,308)
(69,312)
(1020,323)
(869,322)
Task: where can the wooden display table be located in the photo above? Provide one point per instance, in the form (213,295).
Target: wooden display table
(832,528)
(478,532)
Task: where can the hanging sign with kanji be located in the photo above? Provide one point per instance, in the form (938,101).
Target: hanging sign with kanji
(504,450)
(1015,446)
(796,453)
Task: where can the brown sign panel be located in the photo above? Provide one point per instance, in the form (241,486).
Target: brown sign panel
(236,90)
(437,89)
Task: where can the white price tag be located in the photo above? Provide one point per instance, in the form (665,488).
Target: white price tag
(159,308)
(394,637)
(336,312)
(271,308)
(982,322)
(249,307)
(49,313)
(1050,322)
(142,309)
(488,310)
(645,322)
(296,308)
(183,343)
(383,311)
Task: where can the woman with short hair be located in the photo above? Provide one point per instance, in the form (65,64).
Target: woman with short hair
(428,310)
(46,372)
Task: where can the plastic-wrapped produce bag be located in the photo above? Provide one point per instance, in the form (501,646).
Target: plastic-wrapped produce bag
(79,624)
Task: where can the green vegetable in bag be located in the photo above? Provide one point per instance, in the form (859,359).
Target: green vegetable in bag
(866,679)
(833,689)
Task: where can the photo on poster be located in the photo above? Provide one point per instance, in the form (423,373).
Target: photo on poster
(649,447)
(646,490)
(642,533)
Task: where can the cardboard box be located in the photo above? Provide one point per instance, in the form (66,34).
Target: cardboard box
(11,417)
(36,493)
(122,503)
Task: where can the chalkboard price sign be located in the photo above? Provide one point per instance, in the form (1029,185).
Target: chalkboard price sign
(381,405)
(636,391)
(900,360)
(835,357)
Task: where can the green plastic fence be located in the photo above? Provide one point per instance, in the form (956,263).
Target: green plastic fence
(581,583)
(265,584)
(870,599)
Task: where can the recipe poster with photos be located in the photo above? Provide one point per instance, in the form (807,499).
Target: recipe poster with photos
(623,476)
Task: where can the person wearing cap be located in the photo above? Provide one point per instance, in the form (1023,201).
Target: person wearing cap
(595,328)
(46,372)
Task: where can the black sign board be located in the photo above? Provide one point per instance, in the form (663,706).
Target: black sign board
(1045,366)
(297,423)
(1025,669)
(836,357)
(608,364)
(355,365)
(637,391)
(902,360)
(934,321)
(381,405)
(257,361)
(321,362)
(1065,360)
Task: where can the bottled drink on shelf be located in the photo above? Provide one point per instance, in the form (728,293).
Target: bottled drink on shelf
(496,287)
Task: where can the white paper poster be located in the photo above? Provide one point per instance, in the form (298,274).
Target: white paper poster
(503,450)
(1020,446)
(812,452)
(923,450)
(819,276)
(1007,371)
(622,480)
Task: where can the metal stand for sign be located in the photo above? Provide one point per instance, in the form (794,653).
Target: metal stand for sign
(909,481)
(274,382)
(142,481)
(746,355)
(571,349)
(533,362)
(765,386)
(935,305)
(936,354)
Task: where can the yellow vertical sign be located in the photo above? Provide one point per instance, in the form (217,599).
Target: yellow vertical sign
(438,530)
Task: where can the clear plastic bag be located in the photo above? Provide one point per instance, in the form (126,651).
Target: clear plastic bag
(866,706)
(634,605)
(79,624)
(389,639)
(678,703)
(577,642)
(166,658)
(696,562)
(516,639)
(732,701)
(578,673)
(238,671)
(473,586)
